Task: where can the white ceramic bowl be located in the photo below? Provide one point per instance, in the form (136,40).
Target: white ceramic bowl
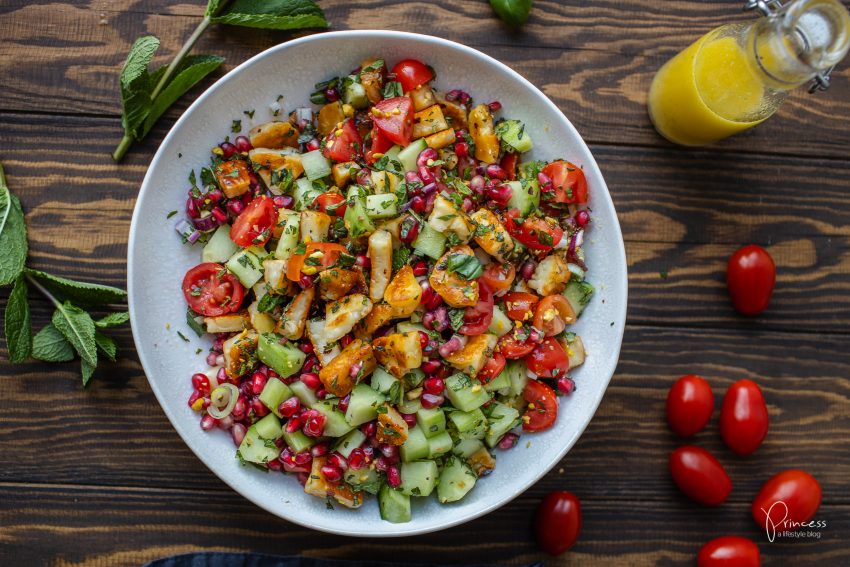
(157,262)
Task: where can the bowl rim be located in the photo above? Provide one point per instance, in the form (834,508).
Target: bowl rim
(392,530)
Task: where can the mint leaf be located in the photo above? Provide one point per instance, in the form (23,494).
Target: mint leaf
(77,326)
(87,371)
(13,235)
(17,325)
(81,292)
(467,267)
(191,70)
(137,85)
(193,324)
(49,345)
(106,345)
(113,320)
(270,14)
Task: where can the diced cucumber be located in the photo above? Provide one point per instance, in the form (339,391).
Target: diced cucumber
(304,194)
(315,165)
(432,421)
(382,206)
(439,444)
(525,196)
(363,405)
(502,419)
(247,266)
(255,449)
(364,479)
(394,506)
(304,393)
(477,431)
(467,420)
(286,359)
(409,406)
(269,427)
(429,242)
(466,447)
(409,155)
(356,217)
(220,248)
(465,393)
(355,95)
(393,152)
(419,478)
(578,294)
(351,441)
(274,394)
(382,381)
(416,446)
(297,441)
(456,480)
(335,423)
(500,325)
(575,350)
(289,236)
(413,378)
(407,326)
(516,370)
(513,135)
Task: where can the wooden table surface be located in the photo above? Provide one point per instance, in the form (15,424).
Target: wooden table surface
(99,477)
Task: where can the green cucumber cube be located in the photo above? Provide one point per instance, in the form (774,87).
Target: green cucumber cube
(468,420)
(382,206)
(409,155)
(255,449)
(247,266)
(355,95)
(432,421)
(274,394)
(350,442)
(335,424)
(439,445)
(409,406)
(430,242)
(416,446)
(304,393)
(578,294)
(456,480)
(466,447)
(220,248)
(367,480)
(289,236)
(502,419)
(500,325)
(356,218)
(512,134)
(269,427)
(394,506)
(297,441)
(465,393)
(285,359)
(516,370)
(363,405)
(419,478)
(315,165)
(525,196)
(502,381)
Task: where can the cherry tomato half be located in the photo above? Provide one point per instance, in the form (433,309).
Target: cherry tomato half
(548,359)
(393,117)
(477,319)
(535,233)
(253,227)
(380,144)
(515,344)
(750,277)
(343,143)
(568,182)
(542,408)
(331,203)
(211,290)
(509,163)
(323,254)
(558,522)
(498,277)
(743,417)
(699,475)
(412,73)
(729,551)
(690,402)
(519,305)
(553,314)
(492,368)
(790,496)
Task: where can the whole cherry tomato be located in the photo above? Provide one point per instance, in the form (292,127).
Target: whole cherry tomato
(750,276)
(699,475)
(743,417)
(412,73)
(558,522)
(542,408)
(729,551)
(211,290)
(790,496)
(253,226)
(689,405)
(553,314)
(548,359)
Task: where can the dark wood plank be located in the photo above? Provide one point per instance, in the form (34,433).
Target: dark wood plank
(91,526)
(595,60)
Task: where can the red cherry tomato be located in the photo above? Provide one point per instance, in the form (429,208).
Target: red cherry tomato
(331,204)
(542,408)
(750,276)
(343,143)
(548,359)
(568,182)
(509,163)
(393,117)
(558,522)
(253,227)
(520,305)
(699,475)
(790,496)
(492,368)
(743,417)
(477,319)
(534,233)
(729,551)
(412,73)
(380,144)
(498,277)
(690,402)
(211,290)
(516,344)
(553,314)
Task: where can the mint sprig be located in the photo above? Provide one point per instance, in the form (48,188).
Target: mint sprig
(145,95)
(72,330)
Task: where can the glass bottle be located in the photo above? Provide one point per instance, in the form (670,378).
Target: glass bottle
(738,75)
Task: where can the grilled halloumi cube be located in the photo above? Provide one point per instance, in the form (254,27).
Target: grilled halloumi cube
(429,121)
(274,274)
(399,352)
(550,276)
(381,258)
(319,486)
(392,429)
(445,217)
(473,356)
(230,323)
(455,290)
(240,353)
(380,315)
(353,364)
(314,226)
(422,97)
(334,283)
(403,293)
(262,322)
(233,178)
(482,131)
(491,235)
(482,462)
(269,162)
(325,350)
(274,135)
(294,319)
(343,314)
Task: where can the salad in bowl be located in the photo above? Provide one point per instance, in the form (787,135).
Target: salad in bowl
(390,285)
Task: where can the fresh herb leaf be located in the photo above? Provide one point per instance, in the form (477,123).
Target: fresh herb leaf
(87,370)
(17,323)
(77,326)
(236,126)
(81,292)
(49,345)
(269,302)
(13,234)
(113,320)
(467,267)
(456,318)
(137,85)
(392,89)
(183,337)
(271,14)
(401,257)
(106,345)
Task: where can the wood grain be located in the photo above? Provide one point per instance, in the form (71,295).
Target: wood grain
(604,53)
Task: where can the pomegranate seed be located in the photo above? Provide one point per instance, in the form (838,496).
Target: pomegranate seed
(429,203)
(382,464)
(496,172)
(467,204)
(501,194)
(208,422)
(423,339)
(462,149)
(259,407)
(240,408)
(294,424)
(363,261)
(566,385)
(426,155)
(477,184)
(432,347)
(409,419)
(225,422)
(310,364)
(369,429)
(582,218)
(332,94)
(191,208)
(218,214)
(430,298)
(306,281)
(431,366)
(306,348)
(338,461)
(321,393)
(426,175)
(434,386)
(258,382)
(303,458)
(417,204)
(196,395)
(245,388)
(346,340)
(237,433)
(212,359)
(409,230)
(243,144)
(393,476)
(343,404)
(319,449)
(508,441)
(312,145)
(283,201)
(331,473)
(431,401)
(315,426)
(389,451)
(311,380)
(494,106)
(235,207)
(420,268)
(356,459)
(289,407)
(527,269)
(201,382)
(274,465)
(215,195)
(227,150)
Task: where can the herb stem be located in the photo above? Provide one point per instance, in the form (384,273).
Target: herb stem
(122,148)
(44,291)
(172,67)
(3,177)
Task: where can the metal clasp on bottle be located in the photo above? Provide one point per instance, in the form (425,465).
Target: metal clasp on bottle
(768,9)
